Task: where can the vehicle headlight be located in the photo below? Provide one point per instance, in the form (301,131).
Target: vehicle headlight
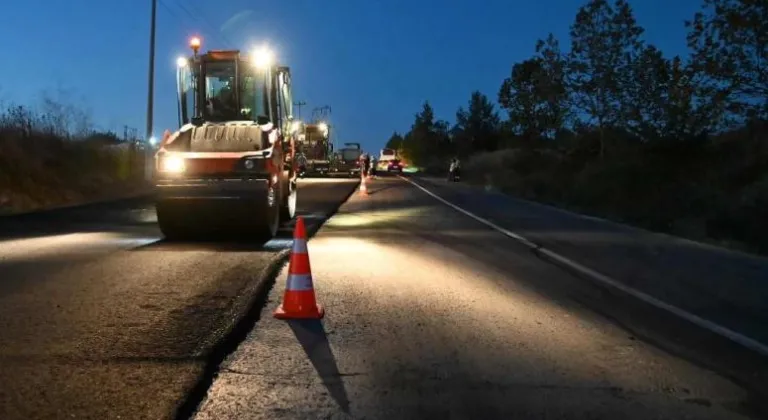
(173,164)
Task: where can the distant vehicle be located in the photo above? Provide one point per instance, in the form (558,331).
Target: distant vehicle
(348,159)
(387,154)
(395,166)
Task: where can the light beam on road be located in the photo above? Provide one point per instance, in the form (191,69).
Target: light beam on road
(370,218)
(67,245)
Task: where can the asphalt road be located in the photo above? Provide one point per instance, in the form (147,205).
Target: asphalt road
(101,319)
(729,288)
(430,314)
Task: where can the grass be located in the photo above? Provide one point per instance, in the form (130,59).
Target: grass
(53,158)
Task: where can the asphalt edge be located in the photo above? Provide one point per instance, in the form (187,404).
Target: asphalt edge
(245,322)
(604,280)
(149,192)
(229,342)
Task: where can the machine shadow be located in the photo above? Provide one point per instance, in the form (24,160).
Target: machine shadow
(239,243)
(313,339)
(224,243)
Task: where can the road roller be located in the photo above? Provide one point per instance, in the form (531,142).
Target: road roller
(230,168)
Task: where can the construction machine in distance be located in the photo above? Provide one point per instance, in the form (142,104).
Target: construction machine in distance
(314,149)
(230,168)
(347,160)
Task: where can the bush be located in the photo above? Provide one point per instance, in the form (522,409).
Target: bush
(712,189)
(55,158)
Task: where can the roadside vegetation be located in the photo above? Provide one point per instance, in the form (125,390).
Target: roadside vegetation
(51,155)
(612,127)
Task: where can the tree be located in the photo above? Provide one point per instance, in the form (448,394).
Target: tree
(395,141)
(552,87)
(520,97)
(477,126)
(443,139)
(423,140)
(535,95)
(605,42)
(729,40)
(664,95)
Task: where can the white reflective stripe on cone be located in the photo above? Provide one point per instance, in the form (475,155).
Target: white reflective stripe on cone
(300,246)
(299,282)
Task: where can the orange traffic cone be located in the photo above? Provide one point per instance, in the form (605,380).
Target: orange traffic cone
(299,298)
(363,187)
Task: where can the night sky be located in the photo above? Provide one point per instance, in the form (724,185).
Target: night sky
(373,61)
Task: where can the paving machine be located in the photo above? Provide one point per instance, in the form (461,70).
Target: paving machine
(314,149)
(231,166)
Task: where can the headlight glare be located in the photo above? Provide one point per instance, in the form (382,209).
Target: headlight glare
(173,164)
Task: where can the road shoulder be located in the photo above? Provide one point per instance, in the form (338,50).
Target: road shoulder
(725,287)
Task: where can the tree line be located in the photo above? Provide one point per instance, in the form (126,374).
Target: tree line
(616,128)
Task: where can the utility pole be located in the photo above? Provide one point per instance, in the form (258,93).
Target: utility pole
(150,96)
(298,106)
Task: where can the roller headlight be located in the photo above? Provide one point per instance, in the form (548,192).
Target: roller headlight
(173,164)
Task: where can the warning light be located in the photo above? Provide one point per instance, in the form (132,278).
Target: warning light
(194,43)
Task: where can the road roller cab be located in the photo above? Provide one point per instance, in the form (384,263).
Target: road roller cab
(231,164)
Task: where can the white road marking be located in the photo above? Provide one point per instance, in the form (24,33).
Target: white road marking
(636,229)
(741,339)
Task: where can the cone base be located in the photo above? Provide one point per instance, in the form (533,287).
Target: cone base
(311,313)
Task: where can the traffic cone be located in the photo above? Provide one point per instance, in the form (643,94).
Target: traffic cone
(299,298)
(363,187)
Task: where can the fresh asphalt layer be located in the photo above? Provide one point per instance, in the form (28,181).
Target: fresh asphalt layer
(431,314)
(101,318)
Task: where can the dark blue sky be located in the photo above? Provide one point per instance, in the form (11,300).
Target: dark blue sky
(373,61)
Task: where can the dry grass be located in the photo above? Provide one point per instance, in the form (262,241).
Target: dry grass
(53,158)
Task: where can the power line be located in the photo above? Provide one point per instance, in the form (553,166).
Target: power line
(200,13)
(173,14)
(162,3)
(321,112)
(199,17)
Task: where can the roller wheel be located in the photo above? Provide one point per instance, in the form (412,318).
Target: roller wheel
(267,221)
(172,223)
(288,209)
